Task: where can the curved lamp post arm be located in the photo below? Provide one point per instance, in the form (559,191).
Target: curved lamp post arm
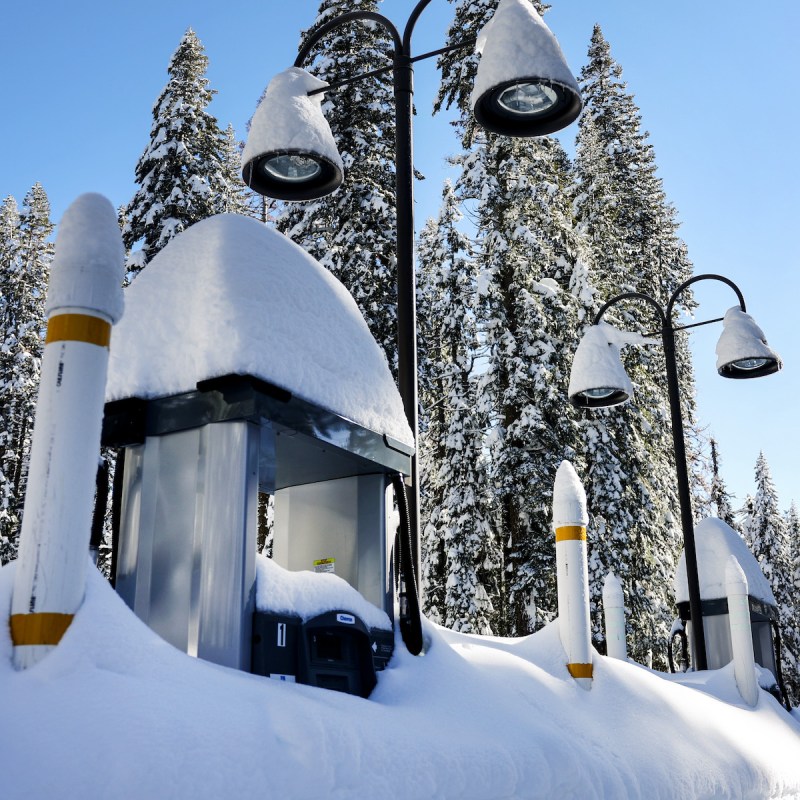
(707,277)
(659,312)
(343,19)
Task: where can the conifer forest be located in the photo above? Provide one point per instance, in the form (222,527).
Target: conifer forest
(528,243)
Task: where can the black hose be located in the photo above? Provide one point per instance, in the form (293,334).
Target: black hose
(410,617)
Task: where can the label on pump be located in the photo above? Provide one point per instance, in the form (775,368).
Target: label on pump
(324,565)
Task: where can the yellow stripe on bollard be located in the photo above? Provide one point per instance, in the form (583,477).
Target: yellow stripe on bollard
(580,670)
(43,628)
(78,328)
(571,533)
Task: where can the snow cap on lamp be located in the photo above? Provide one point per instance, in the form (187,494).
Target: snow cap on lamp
(89,262)
(742,349)
(516,47)
(290,121)
(597,363)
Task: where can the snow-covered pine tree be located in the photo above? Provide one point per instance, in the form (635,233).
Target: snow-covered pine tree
(26,254)
(720,497)
(234,197)
(767,536)
(352,231)
(180,175)
(790,629)
(533,284)
(458,544)
(622,208)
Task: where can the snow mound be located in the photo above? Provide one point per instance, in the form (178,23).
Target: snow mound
(117,713)
(716,542)
(308,594)
(229,295)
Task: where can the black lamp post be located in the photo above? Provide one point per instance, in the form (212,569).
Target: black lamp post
(532,101)
(742,353)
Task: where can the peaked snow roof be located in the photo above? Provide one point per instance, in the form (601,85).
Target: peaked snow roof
(715,542)
(229,295)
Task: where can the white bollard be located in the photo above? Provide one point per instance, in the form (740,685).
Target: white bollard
(614,613)
(569,522)
(84,299)
(744,663)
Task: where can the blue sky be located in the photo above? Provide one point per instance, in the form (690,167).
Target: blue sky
(715,81)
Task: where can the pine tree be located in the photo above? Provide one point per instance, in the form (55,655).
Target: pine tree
(720,497)
(352,231)
(180,175)
(622,209)
(234,197)
(26,254)
(790,627)
(458,542)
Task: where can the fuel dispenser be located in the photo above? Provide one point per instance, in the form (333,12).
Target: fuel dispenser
(715,542)
(192,462)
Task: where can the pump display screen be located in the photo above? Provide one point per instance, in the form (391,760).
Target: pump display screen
(328,646)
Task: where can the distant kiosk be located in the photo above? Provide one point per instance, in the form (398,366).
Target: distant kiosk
(716,542)
(242,366)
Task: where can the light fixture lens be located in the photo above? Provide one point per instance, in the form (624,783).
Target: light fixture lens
(291,168)
(601,393)
(528,99)
(749,364)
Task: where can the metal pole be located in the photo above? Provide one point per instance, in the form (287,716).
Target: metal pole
(403,79)
(684,496)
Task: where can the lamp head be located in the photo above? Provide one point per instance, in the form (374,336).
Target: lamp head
(523,86)
(290,153)
(597,378)
(742,349)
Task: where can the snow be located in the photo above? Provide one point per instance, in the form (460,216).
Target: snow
(308,594)
(569,498)
(229,295)
(88,265)
(115,712)
(741,338)
(715,543)
(288,118)
(516,43)
(597,363)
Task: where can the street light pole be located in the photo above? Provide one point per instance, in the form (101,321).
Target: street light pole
(667,331)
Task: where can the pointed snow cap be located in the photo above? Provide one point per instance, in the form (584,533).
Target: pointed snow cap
(569,498)
(517,48)
(613,596)
(289,122)
(89,263)
(742,349)
(597,366)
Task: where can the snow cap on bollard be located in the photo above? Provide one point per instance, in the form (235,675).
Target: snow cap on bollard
(744,663)
(614,613)
(570,519)
(569,498)
(89,262)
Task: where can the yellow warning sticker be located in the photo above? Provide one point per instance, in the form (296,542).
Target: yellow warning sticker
(324,565)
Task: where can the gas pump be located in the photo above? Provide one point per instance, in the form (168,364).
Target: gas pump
(192,462)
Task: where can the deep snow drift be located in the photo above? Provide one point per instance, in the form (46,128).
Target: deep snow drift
(115,712)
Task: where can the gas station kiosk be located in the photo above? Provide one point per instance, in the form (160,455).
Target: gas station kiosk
(243,403)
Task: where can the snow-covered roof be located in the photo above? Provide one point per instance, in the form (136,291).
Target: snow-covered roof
(231,296)
(716,542)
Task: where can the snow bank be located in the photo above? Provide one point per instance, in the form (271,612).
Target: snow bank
(114,712)
(229,295)
(309,594)
(716,542)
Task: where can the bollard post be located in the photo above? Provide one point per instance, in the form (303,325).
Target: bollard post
(614,613)
(744,664)
(84,299)
(569,522)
